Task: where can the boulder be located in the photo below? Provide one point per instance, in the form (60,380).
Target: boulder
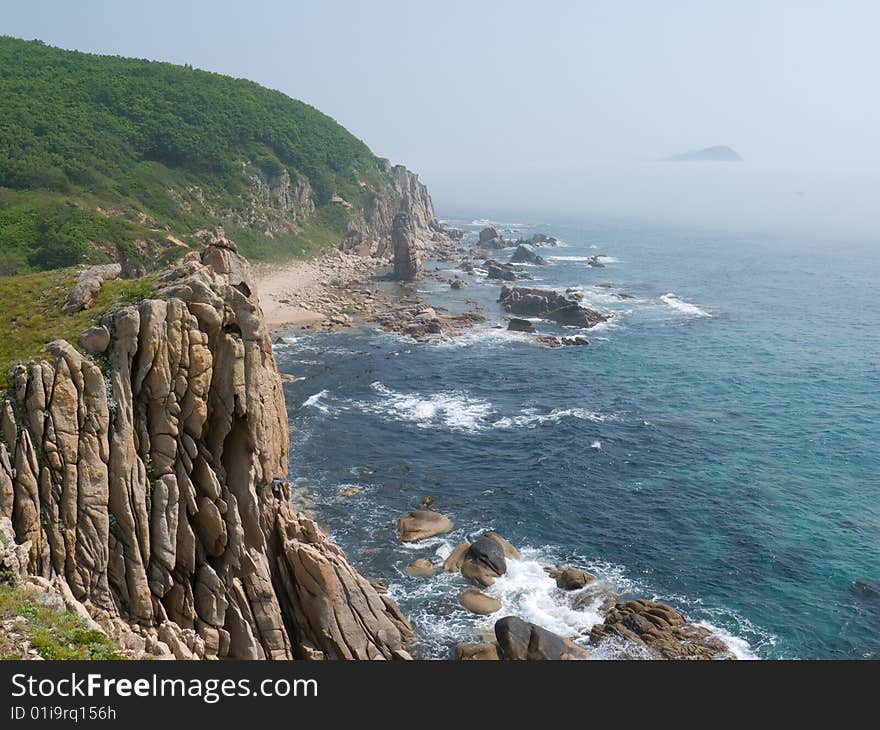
(457,283)
(519,640)
(87,286)
(547,304)
(421,524)
(477,652)
(576,341)
(95,340)
(420,568)
(452,564)
(491,238)
(660,630)
(484,561)
(505,272)
(572,579)
(520,325)
(478,602)
(525,254)
(509,550)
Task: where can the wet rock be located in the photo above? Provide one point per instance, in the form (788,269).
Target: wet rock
(576,341)
(505,272)
(478,602)
(547,304)
(453,563)
(457,283)
(420,568)
(477,652)
(421,524)
(571,579)
(521,641)
(490,238)
(520,325)
(484,561)
(509,550)
(659,629)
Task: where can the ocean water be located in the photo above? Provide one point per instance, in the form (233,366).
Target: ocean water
(717,446)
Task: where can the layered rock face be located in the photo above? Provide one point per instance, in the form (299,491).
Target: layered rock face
(149,486)
(372,236)
(407,265)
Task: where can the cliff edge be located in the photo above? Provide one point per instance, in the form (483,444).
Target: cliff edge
(145,485)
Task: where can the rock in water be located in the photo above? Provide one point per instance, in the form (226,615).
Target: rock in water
(520,641)
(520,325)
(421,524)
(659,629)
(477,652)
(548,305)
(407,265)
(478,602)
(452,564)
(490,238)
(420,568)
(505,272)
(525,254)
(572,579)
(484,561)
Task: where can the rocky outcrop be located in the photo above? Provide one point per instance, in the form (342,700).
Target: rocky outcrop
(519,640)
(152,489)
(659,630)
(505,272)
(88,284)
(407,265)
(491,238)
(520,325)
(525,254)
(548,304)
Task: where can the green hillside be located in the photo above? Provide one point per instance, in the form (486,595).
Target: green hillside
(105,158)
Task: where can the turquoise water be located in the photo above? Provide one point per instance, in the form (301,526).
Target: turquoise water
(715,447)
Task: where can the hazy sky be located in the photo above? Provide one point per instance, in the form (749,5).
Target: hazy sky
(473,94)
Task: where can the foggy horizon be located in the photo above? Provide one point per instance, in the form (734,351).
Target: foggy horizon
(559,109)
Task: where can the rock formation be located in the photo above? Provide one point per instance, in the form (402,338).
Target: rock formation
(491,238)
(151,488)
(407,265)
(659,630)
(87,286)
(548,305)
(525,254)
(520,640)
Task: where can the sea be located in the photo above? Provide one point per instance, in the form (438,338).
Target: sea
(715,447)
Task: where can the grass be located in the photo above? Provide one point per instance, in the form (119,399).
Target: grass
(54,635)
(31,317)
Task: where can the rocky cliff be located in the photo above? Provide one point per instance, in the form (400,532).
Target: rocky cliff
(145,485)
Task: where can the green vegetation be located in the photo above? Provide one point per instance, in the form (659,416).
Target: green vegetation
(55,635)
(31,313)
(98,153)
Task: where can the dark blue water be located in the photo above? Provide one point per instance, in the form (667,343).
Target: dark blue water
(716,447)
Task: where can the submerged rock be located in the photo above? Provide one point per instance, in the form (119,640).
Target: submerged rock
(420,568)
(571,579)
(520,325)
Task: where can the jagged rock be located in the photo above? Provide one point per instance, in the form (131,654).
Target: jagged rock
(420,568)
(406,258)
(525,254)
(520,325)
(478,602)
(576,341)
(490,238)
(457,283)
(421,524)
(477,652)
(505,272)
(95,340)
(153,499)
(659,629)
(548,304)
(88,284)
(519,640)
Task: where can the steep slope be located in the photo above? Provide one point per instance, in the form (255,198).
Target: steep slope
(144,485)
(106,158)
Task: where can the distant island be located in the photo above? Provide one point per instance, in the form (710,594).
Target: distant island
(719,153)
